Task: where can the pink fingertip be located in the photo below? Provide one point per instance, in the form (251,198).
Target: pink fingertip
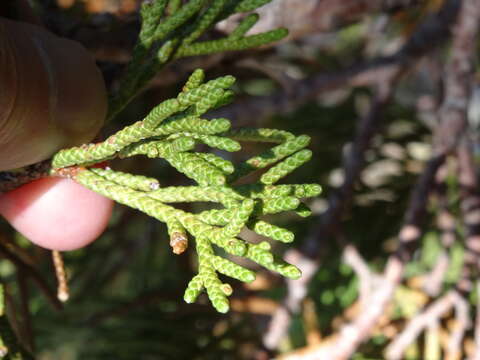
(56,214)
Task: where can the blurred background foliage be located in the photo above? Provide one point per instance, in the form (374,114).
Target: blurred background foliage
(126,288)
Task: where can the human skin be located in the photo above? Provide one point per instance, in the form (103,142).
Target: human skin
(52,97)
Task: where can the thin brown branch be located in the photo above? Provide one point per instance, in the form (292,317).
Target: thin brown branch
(62,284)
(10,180)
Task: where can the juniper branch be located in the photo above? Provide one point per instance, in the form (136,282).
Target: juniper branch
(171,132)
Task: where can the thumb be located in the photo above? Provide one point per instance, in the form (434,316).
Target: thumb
(53,97)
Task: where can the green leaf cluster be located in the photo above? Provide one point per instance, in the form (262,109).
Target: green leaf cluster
(173,30)
(172,132)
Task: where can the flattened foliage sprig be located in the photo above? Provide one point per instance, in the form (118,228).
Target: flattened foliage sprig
(172,132)
(174,29)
